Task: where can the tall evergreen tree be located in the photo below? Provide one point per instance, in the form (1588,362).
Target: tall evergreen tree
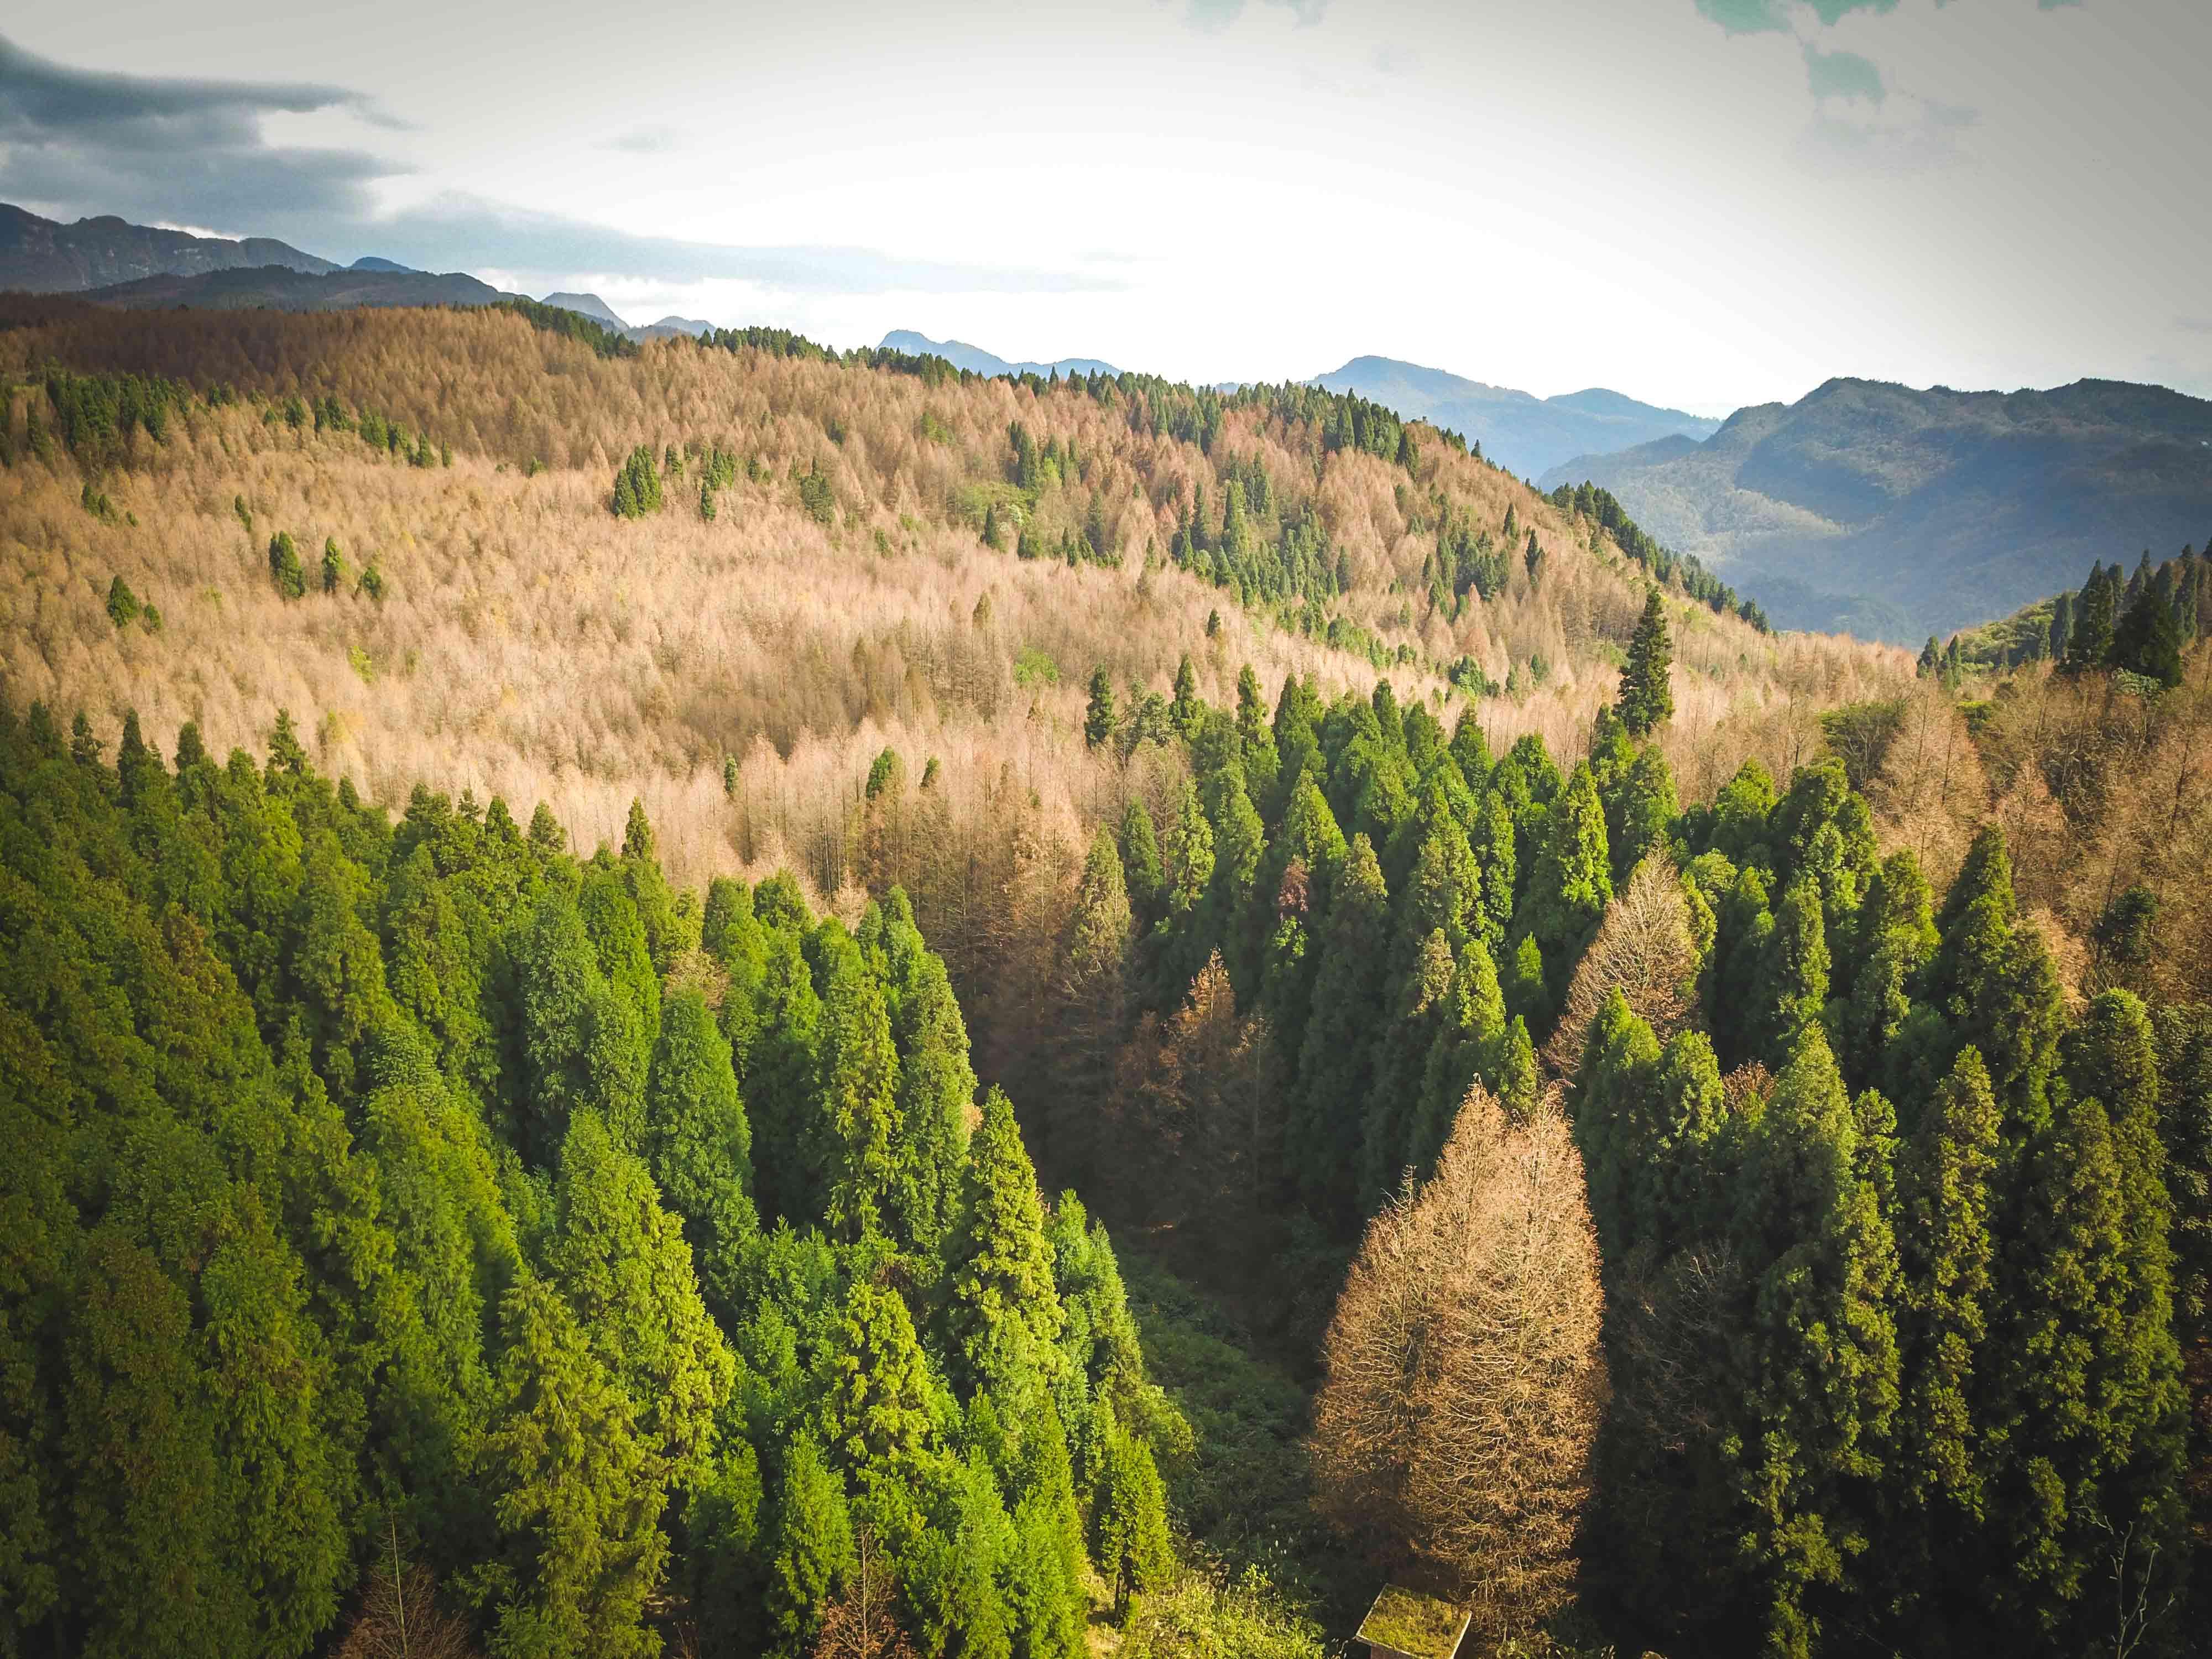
(1002,1315)
(1647,694)
(577,1492)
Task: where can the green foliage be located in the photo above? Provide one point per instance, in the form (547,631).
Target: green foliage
(637,486)
(1002,1314)
(572,324)
(576,1491)
(285,566)
(123,606)
(1647,695)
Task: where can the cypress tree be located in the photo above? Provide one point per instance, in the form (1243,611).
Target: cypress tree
(1822,1346)
(284,567)
(577,1493)
(1945,1256)
(814,1555)
(1572,883)
(1335,1066)
(1129,1528)
(2090,644)
(1001,1313)
(2147,640)
(699,1144)
(622,1262)
(1140,866)
(854,1128)
(1647,694)
(1100,721)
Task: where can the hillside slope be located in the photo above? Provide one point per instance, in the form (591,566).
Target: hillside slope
(43,256)
(1524,435)
(1898,513)
(841,599)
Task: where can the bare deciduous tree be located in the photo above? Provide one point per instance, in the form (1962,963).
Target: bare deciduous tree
(860,1624)
(1464,1382)
(1644,947)
(400,1617)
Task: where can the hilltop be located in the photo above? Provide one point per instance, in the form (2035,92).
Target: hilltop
(1896,513)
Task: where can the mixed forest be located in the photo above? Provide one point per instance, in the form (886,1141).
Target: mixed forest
(1675,1138)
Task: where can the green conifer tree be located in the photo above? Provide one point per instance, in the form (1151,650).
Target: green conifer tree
(576,1491)
(1647,695)
(1001,1315)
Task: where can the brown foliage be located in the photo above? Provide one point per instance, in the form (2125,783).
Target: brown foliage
(400,1619)
(532,647)
(1645,948)
(1464,1382)
(1197,1118)
(861,1623)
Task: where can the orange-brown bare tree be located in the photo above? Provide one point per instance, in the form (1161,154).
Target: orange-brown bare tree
(1644,946)
(1464,1382)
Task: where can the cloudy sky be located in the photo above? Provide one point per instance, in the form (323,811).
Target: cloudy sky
(1701,203)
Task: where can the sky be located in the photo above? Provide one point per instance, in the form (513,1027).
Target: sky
(1703,203)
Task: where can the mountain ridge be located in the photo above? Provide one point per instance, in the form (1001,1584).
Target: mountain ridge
(1828,509)
(45,256)
(1524,433)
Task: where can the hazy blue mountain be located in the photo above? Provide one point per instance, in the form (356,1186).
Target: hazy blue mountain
(276,288)
(590,306)
(44,256)
(961,354)
(1523,433)
(1895,513)
(372,262)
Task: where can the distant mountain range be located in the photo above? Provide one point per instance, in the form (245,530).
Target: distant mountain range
(1894,513)
(274,288)
(1521,433)
(44,256)
(974,359)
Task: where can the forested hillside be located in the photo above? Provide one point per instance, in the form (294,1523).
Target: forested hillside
(1673,1137)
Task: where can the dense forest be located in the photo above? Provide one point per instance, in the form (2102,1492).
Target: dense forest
(421,1200)
(1673,1137)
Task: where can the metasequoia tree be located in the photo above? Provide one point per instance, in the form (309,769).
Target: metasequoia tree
(1464,1380)
(1643,947)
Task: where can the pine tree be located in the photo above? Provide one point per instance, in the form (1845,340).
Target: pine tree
(1646,696)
